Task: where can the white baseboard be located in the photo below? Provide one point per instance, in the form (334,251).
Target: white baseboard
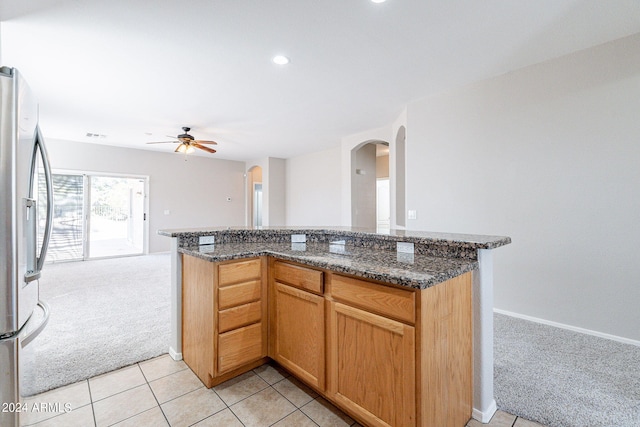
(174,354)
(485,416)
(568,327)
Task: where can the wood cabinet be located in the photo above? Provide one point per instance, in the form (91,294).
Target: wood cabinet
(197,317)
(444,353)
(224,317)
(371,362)
(297,319)
(386,355)
(242,314)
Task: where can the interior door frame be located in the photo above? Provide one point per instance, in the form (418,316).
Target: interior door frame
(86,222)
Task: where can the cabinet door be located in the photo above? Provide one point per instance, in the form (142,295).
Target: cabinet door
(372,366)
(297,340)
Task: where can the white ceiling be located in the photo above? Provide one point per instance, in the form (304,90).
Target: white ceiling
(126,68)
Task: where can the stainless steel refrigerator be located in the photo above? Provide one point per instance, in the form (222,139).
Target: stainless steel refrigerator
(25,228)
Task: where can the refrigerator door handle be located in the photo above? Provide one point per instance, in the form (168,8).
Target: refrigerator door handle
(33,333)
(49,184)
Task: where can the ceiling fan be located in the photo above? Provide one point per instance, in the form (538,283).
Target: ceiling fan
(188,143)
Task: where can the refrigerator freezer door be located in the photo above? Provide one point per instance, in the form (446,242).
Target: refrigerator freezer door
(20,145)
(8,207)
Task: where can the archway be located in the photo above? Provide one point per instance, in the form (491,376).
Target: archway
(370,198)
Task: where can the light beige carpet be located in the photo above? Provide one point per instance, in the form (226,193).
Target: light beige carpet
(562,378)
(105,314)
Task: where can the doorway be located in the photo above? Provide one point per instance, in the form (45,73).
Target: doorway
(257,204)
(255,196)
(383,208)
(370,191)
(116,216)
(97,216)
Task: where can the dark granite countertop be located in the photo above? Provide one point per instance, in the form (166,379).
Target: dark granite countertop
(416,271)
(469,241)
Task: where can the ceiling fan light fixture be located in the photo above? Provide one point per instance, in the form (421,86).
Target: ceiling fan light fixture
(187,143)
(185,148)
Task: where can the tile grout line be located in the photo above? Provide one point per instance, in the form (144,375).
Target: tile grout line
(267,378)
(153,394)
(93,410)
(124,391)
(298,408)
(225,404)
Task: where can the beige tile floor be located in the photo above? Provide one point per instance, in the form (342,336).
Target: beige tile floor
(163,392)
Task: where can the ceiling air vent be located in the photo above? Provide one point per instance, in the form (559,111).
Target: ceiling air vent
(95,135)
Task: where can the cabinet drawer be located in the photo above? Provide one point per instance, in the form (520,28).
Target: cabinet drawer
(385,300)
(300,277)
(238,294)
(239,346)
(242,315)
(239,271)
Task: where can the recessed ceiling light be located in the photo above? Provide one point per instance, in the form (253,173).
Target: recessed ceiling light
(378,1)
(280,60)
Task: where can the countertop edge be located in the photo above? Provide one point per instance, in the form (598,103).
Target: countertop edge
(392,279)
(422,237)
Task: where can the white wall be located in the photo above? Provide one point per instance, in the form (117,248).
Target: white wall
(194,191)
(313,186)
(549,155)
(277,191)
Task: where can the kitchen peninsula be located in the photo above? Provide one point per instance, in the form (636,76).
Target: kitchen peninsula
(378,323)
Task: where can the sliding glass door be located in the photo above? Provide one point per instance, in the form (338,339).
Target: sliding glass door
(116,220)
(97,216)
(67,233)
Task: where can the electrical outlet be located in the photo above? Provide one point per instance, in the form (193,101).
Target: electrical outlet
(412,214)
(207,240)
(405,247)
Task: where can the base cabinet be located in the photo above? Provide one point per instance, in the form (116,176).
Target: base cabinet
(372,366)
(224,317)
(388,356)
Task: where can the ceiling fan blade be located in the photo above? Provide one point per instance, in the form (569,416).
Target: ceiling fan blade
(177,150)
(202,147)
(205,142)
(162,142)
